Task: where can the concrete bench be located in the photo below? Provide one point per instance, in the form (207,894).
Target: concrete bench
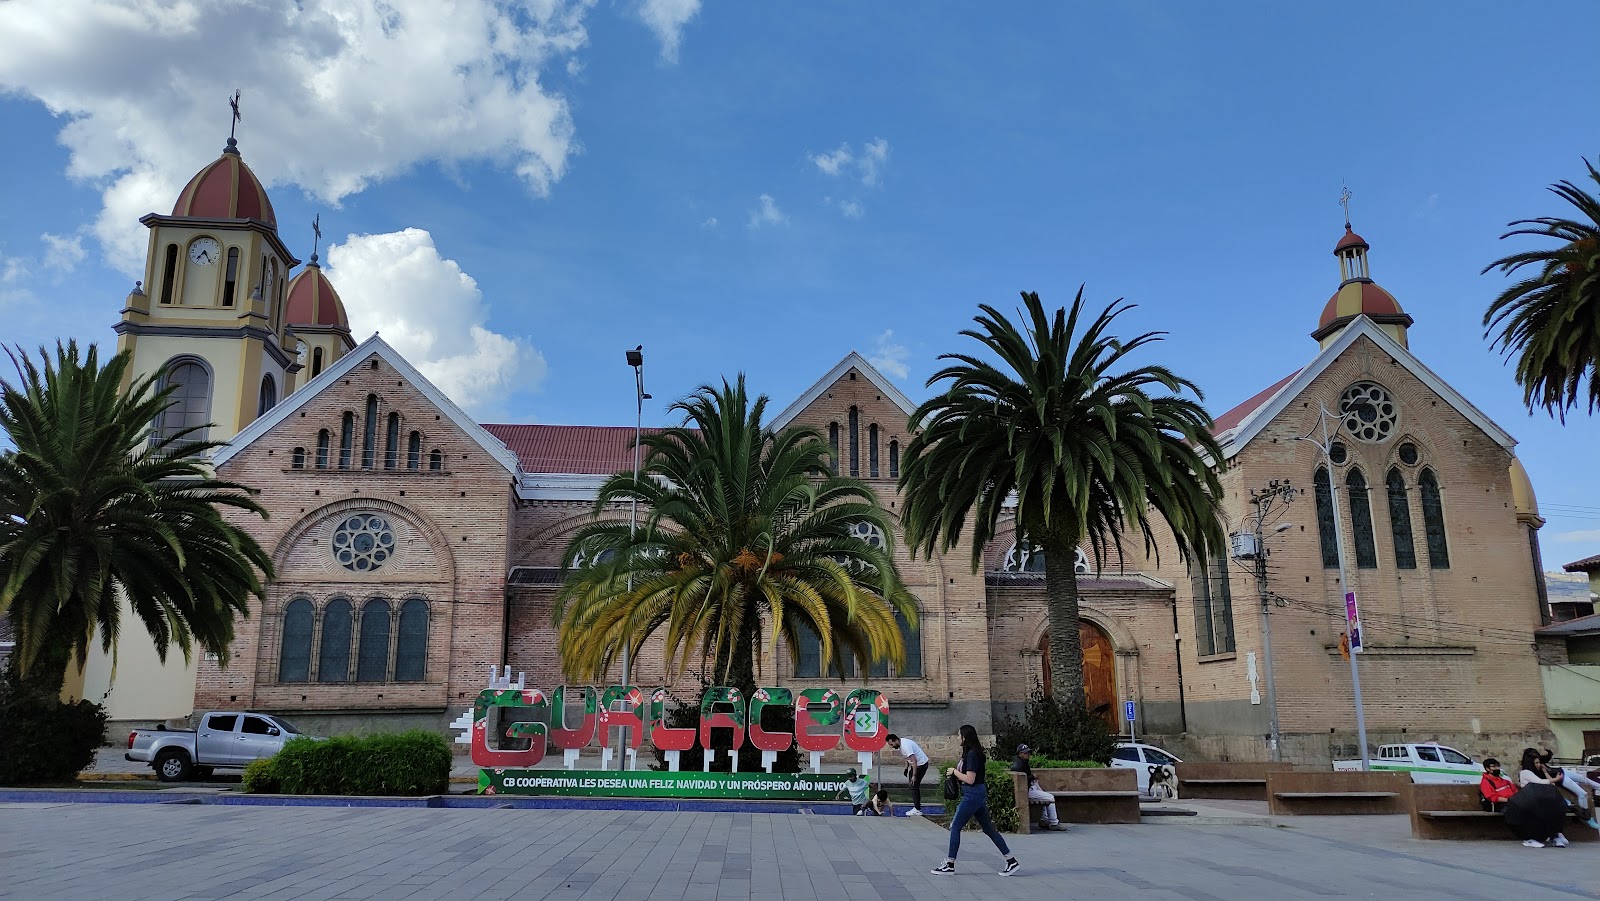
(1453,812)
(1095,795)
(1335,794)
(1225,780)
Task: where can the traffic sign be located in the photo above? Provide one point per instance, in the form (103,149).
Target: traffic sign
(1127,711)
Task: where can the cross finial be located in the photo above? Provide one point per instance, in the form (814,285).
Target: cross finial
(316,229)
(233,104)
(1344,201)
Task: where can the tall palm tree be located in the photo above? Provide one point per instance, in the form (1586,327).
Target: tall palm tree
(1551,321)
(1082,451)
(92,512)
(745,533)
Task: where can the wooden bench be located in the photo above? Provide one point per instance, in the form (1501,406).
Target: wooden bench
(1335,794)
(1453,812)
(1225,780)
(1093,795)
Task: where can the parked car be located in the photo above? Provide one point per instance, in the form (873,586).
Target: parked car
(225,740)
(1428,763)
(1153,766)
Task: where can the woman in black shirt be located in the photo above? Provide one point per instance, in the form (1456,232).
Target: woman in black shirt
(974,804)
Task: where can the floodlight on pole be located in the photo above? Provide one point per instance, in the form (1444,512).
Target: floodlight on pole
(635,360)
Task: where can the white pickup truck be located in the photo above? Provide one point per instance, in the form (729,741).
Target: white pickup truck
(1427,763)
(224,740)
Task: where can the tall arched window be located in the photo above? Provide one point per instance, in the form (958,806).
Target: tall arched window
(269,396)
(414,451)
(347,438)
(299,459)
(322,448)
(169,273)
(435,461)
(833,445)
(372,663)
(1325,523)
(872,450)
(1361,520)
(391,447)
(855,442)
(190,401)
(333,663)
(294,653)
(316,361)
(369,439)
(411,646)
(1405,555)
(894,459)
(1433,520)
(231,278)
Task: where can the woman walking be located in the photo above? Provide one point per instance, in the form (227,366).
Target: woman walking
(974,805)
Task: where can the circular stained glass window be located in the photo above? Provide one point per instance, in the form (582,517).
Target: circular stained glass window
(1338,453)
(1408,454)
(363,542)
(869,533)
(1032,561)
(1369,413)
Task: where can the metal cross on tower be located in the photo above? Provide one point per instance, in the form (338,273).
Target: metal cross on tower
(233,102)
(316,229)
(1344,201)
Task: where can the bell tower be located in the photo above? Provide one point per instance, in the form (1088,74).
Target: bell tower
(209,313)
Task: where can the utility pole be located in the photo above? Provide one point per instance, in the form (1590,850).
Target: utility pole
(1263,500)
(1344,585)
(636,361)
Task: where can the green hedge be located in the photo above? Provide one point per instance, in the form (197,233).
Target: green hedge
(395,763)
(1002,789)
(42,740)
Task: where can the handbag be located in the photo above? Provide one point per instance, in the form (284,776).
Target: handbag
(952,788)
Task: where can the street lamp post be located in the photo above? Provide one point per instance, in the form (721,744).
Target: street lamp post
(1344,585)
(1263,501)
(636,360)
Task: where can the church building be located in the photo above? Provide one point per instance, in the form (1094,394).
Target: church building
(416,548)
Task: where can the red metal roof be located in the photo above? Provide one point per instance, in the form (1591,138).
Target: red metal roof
(1231,419)
(578,449)
(226,189)
(1586,565)
(1350,239)
(1375,301)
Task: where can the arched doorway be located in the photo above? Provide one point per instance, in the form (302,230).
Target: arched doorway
(1099,671)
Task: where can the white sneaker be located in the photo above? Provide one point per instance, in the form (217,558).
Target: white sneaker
(1533,843)
(914,812)
(947,868)
(1560,841)
(1011,868)
(860,812)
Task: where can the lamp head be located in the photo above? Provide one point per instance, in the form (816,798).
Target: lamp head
(636,356)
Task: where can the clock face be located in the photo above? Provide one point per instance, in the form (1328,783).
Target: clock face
(204,252)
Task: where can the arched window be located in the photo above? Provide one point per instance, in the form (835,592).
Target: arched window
(372,663)
(872,450)
(1325,522)
(894,459)
(269,396)
(912,638)
(1405,555)
(369,438)
(833,445)
(1361,520)
(169,273)
(322,448)
(435,461)
(414,451)
(299,459)
(855,442)
(347,438)
(1433,520)
(411,647)
(316,362)
(333,663)
(190,401)
(391,448)
(1213,608)
(231,277)
(294,652)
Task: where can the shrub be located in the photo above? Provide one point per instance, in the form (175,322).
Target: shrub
(1056,731)
(259,778)
(1002,795)
(42,739)
(392,763)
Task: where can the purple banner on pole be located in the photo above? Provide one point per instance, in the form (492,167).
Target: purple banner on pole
(1352,621)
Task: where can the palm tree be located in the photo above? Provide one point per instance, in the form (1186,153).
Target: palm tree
(745,533)
(1551,321)
(1073,450)
(93,512)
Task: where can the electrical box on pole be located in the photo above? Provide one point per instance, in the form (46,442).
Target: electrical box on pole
(1243,545)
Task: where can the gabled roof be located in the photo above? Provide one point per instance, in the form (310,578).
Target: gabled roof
(1586,565)
(1230,420)
(852,360)
(1574,628)
(573,449)
(343,367)
(1252,422)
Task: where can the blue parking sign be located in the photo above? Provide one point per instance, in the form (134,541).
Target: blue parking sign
(1127,711)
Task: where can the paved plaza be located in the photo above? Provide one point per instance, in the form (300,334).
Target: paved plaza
(125,851)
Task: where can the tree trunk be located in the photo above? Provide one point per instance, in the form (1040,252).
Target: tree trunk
(1061,598)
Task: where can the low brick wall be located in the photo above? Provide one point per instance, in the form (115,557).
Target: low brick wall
(1226,781)
(1362,793)
(1092,795)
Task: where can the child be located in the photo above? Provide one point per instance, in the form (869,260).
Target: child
(881,805)
(1494,790)
(858,789)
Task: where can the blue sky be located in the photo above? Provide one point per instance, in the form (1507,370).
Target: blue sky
(516,194)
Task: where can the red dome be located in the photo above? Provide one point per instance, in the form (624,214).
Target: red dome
(1350,239)
(1360,297)
(226,189)
(312,300)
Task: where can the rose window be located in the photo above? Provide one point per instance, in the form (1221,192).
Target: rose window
(1369,413)
(1019,559)
(869,533)
(362,543)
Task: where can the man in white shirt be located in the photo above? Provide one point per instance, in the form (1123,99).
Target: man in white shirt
(916,767)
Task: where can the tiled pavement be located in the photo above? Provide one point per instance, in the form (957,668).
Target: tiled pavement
(74,851)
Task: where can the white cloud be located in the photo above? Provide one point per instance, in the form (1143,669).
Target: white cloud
(62,253)
(890,357)
(852,209)
(710,222)
(867,166)
(337,94)
(398,285)
(1586,536)
(667,18)
(767,213)
(12,292)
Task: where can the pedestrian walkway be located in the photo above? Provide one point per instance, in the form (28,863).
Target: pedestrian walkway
(74,851)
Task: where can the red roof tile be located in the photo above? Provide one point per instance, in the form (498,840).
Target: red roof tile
(1231,419)
(1586,565)
(579,449)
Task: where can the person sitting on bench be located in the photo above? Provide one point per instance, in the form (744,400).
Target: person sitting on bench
(1494,790)
(1048,820)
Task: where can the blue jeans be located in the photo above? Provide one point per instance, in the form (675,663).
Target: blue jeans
(975,805)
